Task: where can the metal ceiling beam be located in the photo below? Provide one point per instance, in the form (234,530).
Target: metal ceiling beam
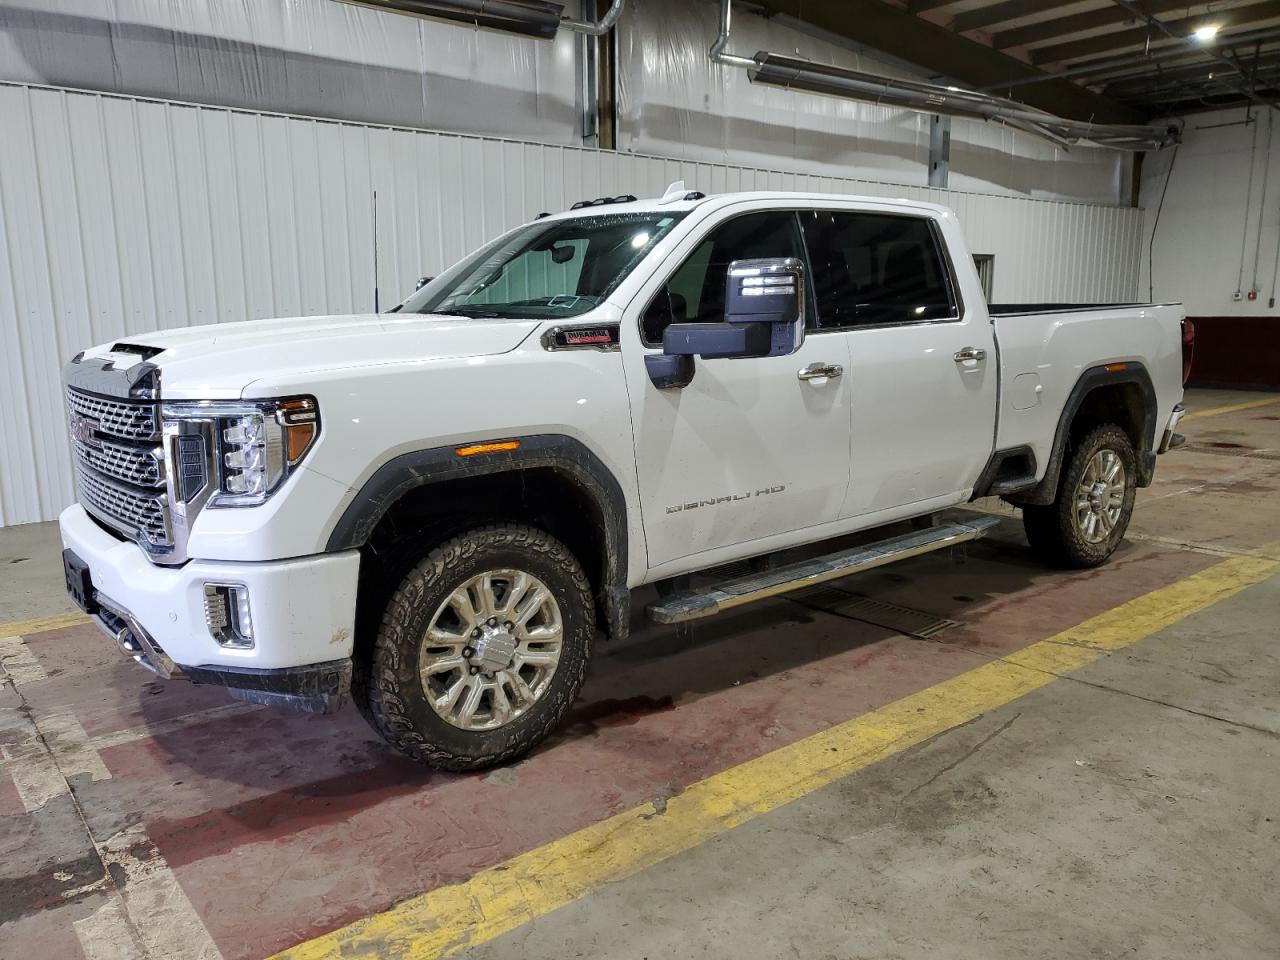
(920,6)
(1175,29)
(1127,68)
(1075,23)
(1129,86)
(1233,64)
(1151,93)
(1091,70)
(994,13)
(901,34)
(1189,92)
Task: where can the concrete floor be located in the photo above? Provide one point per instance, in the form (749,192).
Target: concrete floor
(1128,809)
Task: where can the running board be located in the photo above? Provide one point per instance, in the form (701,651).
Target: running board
(805,573)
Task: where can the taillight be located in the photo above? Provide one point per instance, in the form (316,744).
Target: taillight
(1188,349)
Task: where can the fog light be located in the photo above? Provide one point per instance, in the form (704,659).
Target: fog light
(226,611)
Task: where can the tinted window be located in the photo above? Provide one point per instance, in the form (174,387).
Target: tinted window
(549,268)
(872,269)
(695,292)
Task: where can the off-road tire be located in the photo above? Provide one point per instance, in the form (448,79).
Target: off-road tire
(1052,529)
(390,691)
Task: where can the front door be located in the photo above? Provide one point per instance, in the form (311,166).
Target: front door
(749,449)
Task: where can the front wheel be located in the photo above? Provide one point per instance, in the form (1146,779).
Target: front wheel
(482,649)
(1096,493)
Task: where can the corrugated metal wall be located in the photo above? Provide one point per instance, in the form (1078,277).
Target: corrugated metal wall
(121,215)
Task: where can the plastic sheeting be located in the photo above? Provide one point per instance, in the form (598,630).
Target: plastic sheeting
(329,59)
(119,216)
(313,57)
(674,100)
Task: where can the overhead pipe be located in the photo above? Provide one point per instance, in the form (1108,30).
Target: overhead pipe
(798,74)
(718,54)
(530,18)
(600,27)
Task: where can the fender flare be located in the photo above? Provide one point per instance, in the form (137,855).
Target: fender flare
(563,454)
(1105,375)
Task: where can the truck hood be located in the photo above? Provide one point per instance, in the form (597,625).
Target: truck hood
(222,361)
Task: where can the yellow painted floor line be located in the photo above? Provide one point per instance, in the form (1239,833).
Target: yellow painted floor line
(1231,408)
(450,919)
(20,628)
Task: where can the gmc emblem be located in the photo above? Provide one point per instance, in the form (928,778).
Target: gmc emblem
(83,430)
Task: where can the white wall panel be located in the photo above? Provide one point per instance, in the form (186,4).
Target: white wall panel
(119,216)
(1219,230)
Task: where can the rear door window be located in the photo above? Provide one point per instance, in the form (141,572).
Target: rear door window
(872,269)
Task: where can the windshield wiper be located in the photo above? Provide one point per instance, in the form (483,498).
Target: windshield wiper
(468,312)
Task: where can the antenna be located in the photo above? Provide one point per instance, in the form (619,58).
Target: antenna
(674,192)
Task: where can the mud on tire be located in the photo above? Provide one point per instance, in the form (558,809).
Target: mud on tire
(396,697)
(1055,531)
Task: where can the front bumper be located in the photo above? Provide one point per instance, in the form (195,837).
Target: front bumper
(303,614)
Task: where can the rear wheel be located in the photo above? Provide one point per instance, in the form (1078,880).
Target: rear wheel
(1096,493)
(481,650)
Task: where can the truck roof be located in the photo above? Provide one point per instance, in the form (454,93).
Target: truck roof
(678,199)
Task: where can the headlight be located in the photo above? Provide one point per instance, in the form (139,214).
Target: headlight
(252,447)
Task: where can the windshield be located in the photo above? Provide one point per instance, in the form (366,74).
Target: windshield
(556,268)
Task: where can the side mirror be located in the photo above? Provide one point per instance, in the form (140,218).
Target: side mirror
(769,293)
(763,317)
(763,314)
(422,282)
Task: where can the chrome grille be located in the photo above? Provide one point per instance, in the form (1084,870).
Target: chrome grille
(121,477)
(129,419)
(132,512)
(139,465)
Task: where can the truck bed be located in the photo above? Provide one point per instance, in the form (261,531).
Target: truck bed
(1044,348)
(1015,309)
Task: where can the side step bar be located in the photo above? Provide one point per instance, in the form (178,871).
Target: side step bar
(805,573)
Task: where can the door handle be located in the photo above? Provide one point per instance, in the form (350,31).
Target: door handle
(969,353)
(820,371)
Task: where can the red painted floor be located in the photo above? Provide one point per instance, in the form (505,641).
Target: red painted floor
(280,827)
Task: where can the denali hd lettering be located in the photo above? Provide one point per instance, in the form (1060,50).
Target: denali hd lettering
(732,498)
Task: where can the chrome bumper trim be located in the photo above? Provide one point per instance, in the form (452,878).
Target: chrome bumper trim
(1171,439)
(133,639)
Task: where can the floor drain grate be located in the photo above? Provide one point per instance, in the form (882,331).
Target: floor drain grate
(904,620)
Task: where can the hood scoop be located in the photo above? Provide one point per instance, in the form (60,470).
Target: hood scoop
(146,353)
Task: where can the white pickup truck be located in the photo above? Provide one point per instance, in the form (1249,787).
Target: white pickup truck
(438,509)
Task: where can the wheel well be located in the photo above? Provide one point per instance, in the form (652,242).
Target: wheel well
(1120,403)
(543,497)
(1124,403)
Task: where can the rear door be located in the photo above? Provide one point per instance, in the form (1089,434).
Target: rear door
(749,449)
(922,367)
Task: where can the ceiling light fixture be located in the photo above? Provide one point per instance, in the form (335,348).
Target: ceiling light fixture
(1207,32)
